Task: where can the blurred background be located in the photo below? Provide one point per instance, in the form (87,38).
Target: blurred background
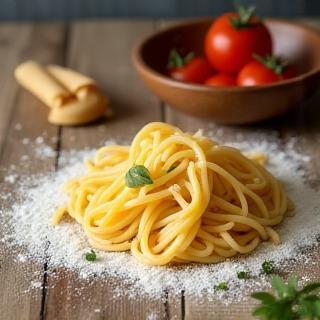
(77,9)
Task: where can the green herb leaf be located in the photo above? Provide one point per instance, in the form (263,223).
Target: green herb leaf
(222,286)
(274,312)
(265,297)
(91,256)
(292,286)
(268,267)
(290,304)
(172,167)
(176,60)
(243,275)
(138,176)
(309,307)
(279,286)
(309,288)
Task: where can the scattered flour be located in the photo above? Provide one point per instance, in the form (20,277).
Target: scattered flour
(44,152)
(152,316)
(39,140)
(25,141)
(64,246)
(11,178)
(36,285)
(24,157)
(18,126)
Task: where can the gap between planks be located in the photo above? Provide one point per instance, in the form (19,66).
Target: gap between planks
(56,165)
(18,43)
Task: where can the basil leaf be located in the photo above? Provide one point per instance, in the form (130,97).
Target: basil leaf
(138,176)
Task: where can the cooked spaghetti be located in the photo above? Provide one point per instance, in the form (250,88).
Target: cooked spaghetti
(175,197)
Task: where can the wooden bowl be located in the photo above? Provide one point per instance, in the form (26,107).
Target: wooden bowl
(300,45)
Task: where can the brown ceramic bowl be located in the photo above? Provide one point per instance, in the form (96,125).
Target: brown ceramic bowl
(300,45)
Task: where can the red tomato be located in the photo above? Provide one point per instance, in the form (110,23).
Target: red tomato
(196,70)
(229,48)
(221,80)
(255,73)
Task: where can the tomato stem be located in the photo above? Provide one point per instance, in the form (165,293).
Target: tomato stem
(244,19)
(176,60)
(274,63)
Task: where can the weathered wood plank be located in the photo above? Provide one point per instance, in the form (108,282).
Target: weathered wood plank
(10,51)
(44,43)
(102,50)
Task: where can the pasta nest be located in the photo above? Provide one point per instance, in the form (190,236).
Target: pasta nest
(206,203)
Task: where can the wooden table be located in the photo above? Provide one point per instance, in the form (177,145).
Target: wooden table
(101,49)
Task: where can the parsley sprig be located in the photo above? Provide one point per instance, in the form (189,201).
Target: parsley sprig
(289,303)
(91,256)
(243,275)
(222,286)
(268,267)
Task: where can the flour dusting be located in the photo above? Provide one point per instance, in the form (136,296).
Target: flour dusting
(65,246)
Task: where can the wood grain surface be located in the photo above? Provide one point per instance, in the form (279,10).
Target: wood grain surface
(44,43)
(101,49)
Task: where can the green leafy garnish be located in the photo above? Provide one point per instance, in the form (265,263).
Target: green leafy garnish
(222,286)
(289,303)
(268,267)
(277,65)
(138,176)
(172,167)
(244,18)
(91,256)
(243,275)
(176,60)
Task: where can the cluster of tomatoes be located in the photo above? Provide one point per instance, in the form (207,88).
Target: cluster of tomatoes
(238,49)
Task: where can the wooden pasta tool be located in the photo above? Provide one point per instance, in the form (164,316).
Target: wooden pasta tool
(72,97)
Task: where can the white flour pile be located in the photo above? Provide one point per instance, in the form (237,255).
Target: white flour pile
(65,245)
